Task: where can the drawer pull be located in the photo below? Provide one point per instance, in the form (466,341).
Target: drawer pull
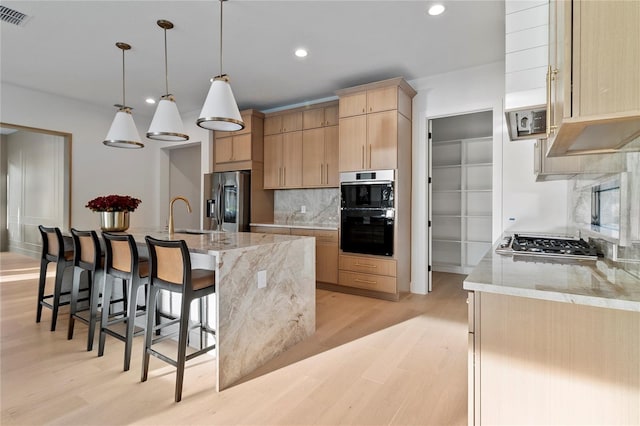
(365,265)
(358,280)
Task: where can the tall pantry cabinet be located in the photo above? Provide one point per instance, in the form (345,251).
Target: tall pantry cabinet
(374,133)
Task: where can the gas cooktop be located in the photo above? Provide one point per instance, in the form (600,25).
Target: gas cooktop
(548,246)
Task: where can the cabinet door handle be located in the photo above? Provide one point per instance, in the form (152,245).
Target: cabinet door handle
(362,163)
(284,176)
(550,76)
(364,265)
(364,281)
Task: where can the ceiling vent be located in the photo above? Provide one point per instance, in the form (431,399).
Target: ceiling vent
(13,16)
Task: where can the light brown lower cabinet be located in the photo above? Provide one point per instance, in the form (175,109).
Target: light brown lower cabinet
(326,248)
(326,253)
(544,362)
(367,273)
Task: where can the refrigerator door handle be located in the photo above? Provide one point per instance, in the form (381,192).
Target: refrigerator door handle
(220,208)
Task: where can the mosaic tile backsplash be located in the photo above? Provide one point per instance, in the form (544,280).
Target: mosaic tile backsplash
(321,207)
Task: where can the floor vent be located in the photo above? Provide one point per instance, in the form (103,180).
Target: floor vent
(13,16)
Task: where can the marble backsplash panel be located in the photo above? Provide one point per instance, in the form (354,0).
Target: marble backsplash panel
(321,207)
(627,254)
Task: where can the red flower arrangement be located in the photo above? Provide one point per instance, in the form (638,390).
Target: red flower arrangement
(114,203)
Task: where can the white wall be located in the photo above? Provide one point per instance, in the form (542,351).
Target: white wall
(534,206)
(526,52)
(96,168)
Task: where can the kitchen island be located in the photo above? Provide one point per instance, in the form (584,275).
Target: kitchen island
(553,342)
(265,294)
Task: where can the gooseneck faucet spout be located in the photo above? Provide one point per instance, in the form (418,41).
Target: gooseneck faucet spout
(173,200)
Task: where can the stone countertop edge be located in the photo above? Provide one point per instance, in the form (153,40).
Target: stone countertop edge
(592,283)
(322,227)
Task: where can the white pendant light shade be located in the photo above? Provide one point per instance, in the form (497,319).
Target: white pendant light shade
(167,124)
(123,132)
(220,111)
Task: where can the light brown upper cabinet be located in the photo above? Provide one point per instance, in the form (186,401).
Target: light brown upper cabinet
(320,157)
(379,138)
(376,99)
(283,123)
(320,117)
(283,160)
(593,88)
(238,150)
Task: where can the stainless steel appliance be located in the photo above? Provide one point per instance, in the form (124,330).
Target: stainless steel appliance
(227,197)
(367,212)
(547,246)
(527,123)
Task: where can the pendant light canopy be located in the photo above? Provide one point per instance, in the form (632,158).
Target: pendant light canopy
(166,124)
(123,132)
(220,111)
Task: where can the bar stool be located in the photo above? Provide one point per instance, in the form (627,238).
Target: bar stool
(170,269)
(52,251)
(88,258)
(122,262)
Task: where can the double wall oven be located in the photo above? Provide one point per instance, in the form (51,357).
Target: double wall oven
(367,212)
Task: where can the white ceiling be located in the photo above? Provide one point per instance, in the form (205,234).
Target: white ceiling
(68,47)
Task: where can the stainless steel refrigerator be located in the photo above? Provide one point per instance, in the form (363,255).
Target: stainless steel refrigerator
(227,196)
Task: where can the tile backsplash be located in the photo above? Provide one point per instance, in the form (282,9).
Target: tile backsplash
(627,251)
(321,207)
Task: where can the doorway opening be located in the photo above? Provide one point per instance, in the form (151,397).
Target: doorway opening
(461,193)
(35,186)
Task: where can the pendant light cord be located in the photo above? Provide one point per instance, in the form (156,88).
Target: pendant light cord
(166,66)
(124,104)
(221,1)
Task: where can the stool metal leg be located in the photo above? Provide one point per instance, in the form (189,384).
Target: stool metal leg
(148,335)
(41,285)
(60,267)
(93,311)
(106,298)
(75,290)
(182,346)
(131,320)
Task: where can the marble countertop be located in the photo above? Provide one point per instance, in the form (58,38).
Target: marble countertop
(322,226)
(214,242)
(595,283)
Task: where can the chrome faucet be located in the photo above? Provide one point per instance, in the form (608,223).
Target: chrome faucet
(173,200)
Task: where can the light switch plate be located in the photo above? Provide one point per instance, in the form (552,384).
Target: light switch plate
(262,279)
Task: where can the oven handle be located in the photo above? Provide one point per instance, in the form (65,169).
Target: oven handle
(356,209)
(367,182)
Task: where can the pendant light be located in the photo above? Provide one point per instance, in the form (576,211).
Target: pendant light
(220,111)
(166,124)
(123,132)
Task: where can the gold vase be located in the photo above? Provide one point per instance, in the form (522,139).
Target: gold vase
(114,221)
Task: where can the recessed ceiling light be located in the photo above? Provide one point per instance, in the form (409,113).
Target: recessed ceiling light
(436,9)
(150,101)
(301,53)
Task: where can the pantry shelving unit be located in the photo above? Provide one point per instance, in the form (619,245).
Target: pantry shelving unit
(461,199)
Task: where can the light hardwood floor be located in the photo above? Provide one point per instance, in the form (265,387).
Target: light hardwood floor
(370,362)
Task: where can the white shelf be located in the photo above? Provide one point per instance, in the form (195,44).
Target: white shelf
(462,200)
